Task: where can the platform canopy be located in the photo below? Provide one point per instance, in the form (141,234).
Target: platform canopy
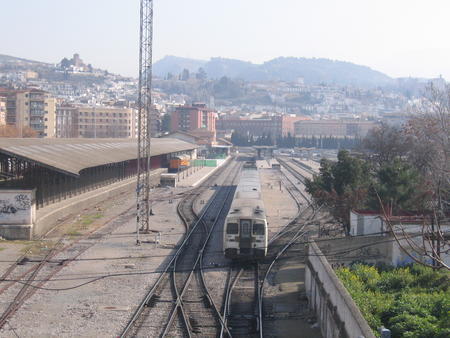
(70,156)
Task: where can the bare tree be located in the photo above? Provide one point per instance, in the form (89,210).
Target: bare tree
(385,143)
(429,132)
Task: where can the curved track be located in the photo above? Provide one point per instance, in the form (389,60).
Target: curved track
(286,237)
(178,303)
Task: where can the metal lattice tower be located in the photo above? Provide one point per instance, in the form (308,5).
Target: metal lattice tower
(144,107)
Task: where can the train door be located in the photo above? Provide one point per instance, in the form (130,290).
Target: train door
(245,241)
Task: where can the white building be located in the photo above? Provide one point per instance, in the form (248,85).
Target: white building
(410,231)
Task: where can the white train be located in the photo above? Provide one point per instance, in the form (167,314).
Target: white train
(245,235)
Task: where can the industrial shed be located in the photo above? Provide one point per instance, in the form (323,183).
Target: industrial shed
(61,168)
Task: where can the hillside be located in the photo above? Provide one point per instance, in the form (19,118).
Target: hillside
(313,70)
(175,65)
(6,59)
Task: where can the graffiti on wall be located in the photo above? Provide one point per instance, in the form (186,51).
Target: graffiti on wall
(17,207)
(20,202)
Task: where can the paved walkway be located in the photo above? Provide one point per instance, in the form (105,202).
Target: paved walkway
(194,176)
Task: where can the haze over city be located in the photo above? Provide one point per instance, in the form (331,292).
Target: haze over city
(400,38)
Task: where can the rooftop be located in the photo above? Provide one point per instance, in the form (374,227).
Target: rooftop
(70,156)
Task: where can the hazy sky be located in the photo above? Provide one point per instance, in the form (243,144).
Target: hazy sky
(397,37)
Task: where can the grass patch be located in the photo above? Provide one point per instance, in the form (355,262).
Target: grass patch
(74,232)
(34,247)
(83,224)
(89,219)
(1,249)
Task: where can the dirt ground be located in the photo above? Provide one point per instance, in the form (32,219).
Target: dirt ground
(94,295)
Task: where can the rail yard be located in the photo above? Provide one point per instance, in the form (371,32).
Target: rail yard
(178,282)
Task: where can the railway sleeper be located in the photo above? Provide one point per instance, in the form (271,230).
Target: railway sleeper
(195,327)
(247,325)
(23,261)
(153,300)
(207,301)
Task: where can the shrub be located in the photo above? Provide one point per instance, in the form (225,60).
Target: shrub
(411,301)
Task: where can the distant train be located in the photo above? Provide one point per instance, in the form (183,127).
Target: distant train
(245,235)
(179,163)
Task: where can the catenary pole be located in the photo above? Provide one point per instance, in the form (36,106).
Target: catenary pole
(144,108)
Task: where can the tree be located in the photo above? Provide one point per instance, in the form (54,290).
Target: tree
(430,134)
(201,74)
(430,154)
(185,75)
(385,143)
(65,63)
(398,185)
(341,186)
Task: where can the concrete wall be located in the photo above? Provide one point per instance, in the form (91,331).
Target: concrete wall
(49,216)
(400,257)
(336,311)
(17,213)
(365,224)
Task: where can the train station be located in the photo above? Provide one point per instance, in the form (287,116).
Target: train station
(36,173)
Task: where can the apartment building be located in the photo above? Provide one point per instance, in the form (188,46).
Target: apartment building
(246,126)
(189,118)
(335,128)
(106,122)
(276,126)
(67,121)
(32,108)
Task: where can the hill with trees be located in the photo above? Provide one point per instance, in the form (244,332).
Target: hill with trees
(311,70)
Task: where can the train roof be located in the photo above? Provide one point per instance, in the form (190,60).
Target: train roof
(247,201)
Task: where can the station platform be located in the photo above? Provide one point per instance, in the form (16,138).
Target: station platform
(192,177)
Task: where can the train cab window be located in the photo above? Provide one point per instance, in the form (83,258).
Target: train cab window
(258,229)
(232,229)
(245,228)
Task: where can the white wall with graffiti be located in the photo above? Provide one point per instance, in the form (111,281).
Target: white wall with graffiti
(17,208)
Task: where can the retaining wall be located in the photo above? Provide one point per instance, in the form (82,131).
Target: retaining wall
(49,216)
(337,313)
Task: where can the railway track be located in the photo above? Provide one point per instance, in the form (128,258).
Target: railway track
(24,281)
(243,309)
(286,237)
(242,301)
(201,299)
(179,304)
(30,272)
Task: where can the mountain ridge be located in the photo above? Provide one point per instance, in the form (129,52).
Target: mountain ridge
(312,70)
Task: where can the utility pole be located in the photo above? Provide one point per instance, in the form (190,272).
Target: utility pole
(144,107)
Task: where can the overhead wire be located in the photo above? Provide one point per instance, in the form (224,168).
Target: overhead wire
(93,279)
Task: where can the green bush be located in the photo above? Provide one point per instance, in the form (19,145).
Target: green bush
(411,301)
